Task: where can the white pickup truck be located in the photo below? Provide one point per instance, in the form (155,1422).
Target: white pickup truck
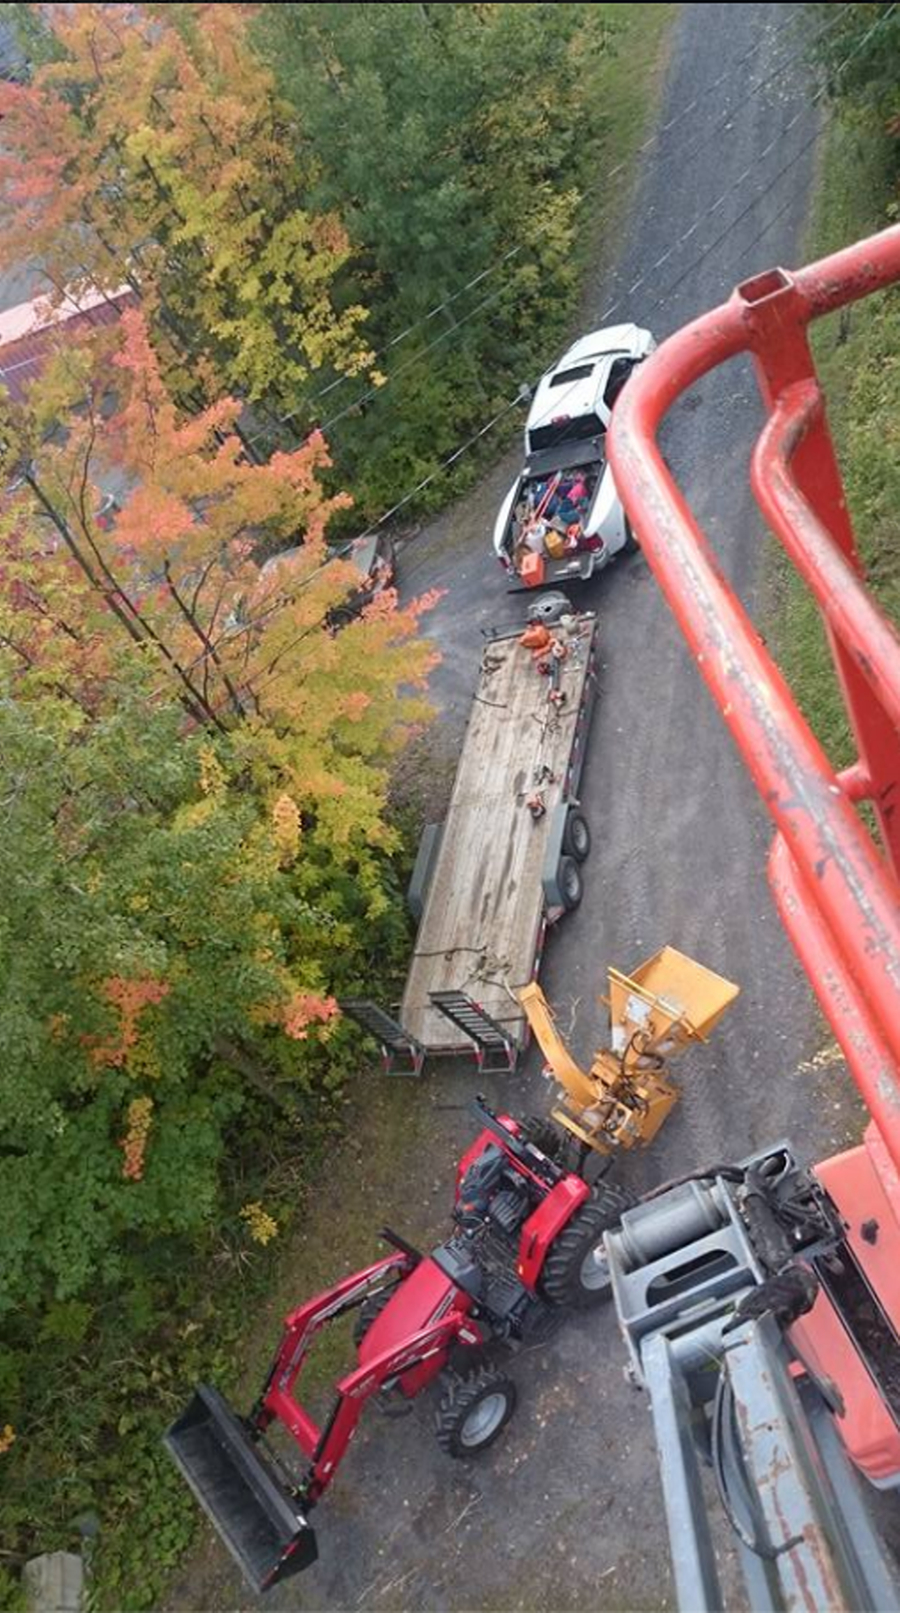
(562,519)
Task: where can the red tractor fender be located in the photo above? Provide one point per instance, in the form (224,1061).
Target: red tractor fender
(544,1223)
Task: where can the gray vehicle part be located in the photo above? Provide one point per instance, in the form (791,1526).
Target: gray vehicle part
(423,869)
(549,607)
(554,853)
(679,1264)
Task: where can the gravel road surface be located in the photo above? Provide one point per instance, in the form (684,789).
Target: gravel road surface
(566,1511)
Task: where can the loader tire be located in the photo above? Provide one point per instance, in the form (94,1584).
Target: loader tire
(545,1136)
(576,1272)
(474,1410)
(369,1312)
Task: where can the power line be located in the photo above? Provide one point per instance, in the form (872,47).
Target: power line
(426,481)
(375,390)
(613,173)
(711,247)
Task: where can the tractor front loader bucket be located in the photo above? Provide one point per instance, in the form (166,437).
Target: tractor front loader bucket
(262,1525)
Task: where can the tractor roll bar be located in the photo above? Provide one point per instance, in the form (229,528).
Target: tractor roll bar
(836,889)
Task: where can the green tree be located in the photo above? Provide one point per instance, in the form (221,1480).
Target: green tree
(445,137)
(861,55)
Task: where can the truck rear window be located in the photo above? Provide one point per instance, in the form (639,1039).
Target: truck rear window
(579,373)
(578,429)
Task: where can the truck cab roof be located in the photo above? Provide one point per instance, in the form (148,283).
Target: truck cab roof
(577,386)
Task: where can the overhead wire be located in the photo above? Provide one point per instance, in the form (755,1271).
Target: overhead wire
(514,402)
(377,389)
(618,168)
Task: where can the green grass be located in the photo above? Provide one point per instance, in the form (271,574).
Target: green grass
(857,167)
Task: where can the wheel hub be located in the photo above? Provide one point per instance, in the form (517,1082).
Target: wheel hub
(483,1419)
(595,1268)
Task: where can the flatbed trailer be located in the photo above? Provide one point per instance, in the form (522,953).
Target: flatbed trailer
(502,865)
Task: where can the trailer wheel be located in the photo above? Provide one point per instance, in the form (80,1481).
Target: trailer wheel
(576,1271)
(369,1312)
(474,1410)
(577,836)
(571,885)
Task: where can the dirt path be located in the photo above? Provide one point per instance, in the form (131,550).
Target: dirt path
(566,1511)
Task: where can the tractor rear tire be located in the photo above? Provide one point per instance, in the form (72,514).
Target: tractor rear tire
(474,1410)
(544,1135)
(369,1312)
(576,1272)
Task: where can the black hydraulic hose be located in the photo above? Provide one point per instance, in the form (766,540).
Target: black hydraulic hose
(727,1455)
(729,1173)
(729,1467)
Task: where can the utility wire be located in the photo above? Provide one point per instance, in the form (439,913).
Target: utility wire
(513,403)
(600,185)
(613,173)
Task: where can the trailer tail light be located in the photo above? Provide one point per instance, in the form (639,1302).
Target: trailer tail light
(836,888)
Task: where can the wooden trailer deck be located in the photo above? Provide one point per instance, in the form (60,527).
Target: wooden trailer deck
(483,921)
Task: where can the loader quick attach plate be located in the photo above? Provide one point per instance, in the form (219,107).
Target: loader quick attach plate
(259,1521)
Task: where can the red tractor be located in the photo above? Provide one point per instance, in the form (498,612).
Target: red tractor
(527,1239)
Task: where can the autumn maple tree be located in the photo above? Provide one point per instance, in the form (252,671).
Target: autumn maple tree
(203,855)
(150,153)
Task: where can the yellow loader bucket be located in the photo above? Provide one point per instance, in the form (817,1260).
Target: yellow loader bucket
(666,1003)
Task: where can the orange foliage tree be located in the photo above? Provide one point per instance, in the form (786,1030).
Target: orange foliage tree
(204,764)
(152,153)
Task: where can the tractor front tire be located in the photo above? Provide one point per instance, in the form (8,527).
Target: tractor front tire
(369,1312)
(576,1271)
(474,1410)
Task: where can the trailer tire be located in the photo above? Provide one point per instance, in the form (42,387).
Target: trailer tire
(576,1273)
(570,882)
(369,1312)
(474,1410)
(548,608)
(577,836)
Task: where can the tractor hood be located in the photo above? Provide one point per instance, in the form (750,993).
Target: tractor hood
(420,1299)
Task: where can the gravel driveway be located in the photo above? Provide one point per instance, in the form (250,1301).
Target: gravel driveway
(566,1511)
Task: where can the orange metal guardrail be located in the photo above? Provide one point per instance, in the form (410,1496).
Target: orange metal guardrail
(837,890)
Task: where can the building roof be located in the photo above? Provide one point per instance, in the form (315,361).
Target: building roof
(33,331)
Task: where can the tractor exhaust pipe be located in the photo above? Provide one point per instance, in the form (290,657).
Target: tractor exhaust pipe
(258,1519)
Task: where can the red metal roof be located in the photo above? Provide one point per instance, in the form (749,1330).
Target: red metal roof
(23,357)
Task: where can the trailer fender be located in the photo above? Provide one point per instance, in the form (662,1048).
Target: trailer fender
(423,869)
(554,855)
